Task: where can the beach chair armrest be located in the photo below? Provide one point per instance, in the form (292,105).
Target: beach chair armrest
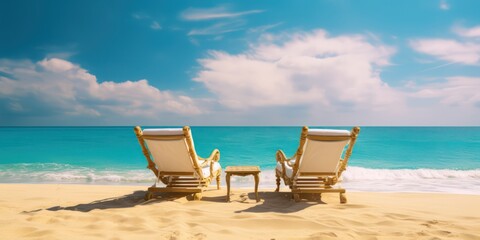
(282,158)
(203,163)
(214,156)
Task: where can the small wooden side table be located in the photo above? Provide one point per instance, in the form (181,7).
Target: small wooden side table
(242,171)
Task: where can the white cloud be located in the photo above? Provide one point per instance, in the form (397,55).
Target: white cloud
(155,25)
(444,5)
(455,91)
(311,70)
(449,50)
(198,14)
(313,78)
(66,89)
(473,32)
(464,50)
(57,65)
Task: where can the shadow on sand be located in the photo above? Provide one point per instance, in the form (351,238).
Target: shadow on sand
(280,202)
(127,201)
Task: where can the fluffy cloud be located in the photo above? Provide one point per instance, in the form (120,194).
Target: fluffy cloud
(307,78)
(454,91)
(59,87)
(311,70)
(449,50)
(446,100)
(313,78)
(465,50)
(467,32)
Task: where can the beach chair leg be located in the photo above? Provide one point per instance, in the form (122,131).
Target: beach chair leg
(197,196)
(278,183)
(218,181)
(148,196)
(296,197)
(343,198)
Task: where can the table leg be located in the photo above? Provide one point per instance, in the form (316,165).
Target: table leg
(257,179)
(227,177)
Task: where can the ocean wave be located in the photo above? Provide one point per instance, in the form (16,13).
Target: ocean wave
(359,173)
(412,180)
(354,179)
(66,173)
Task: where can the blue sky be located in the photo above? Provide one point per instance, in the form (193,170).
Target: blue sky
(240,62)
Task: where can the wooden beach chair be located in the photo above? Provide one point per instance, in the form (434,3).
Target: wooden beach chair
(318,164)
(171,156)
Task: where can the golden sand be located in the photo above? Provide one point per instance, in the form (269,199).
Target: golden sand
(119,212)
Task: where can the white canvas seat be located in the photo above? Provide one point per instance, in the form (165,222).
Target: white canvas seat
(288,168)
(318,164)
(206,170)
(171,156)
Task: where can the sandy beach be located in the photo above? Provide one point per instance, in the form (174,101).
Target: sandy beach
(44,211)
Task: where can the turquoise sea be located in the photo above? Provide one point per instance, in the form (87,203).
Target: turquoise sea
(398,159)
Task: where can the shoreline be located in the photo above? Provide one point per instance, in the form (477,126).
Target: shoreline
(74,211)
(355,179)
(248,186)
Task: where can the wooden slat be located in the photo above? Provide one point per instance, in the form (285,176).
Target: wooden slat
(328,138)
(183,185)
(310,182)
(186,178)
(163,138)
(163,173)
(169,189)
(320,174)
(318,190)
(308,179)
(187,182)
(310,186)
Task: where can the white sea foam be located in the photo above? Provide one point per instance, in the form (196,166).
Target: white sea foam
(412,180)
(396,180)
(359,173)
(65,173)
(354,179)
